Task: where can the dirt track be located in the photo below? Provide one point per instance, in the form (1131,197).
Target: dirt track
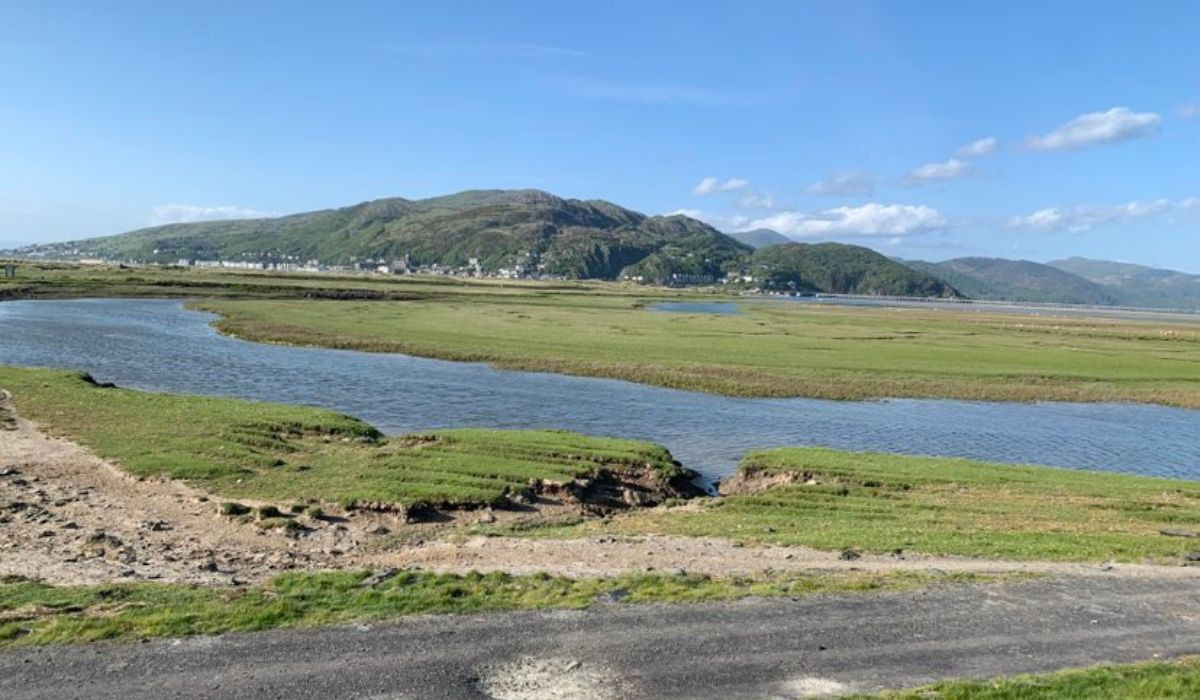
(751,649)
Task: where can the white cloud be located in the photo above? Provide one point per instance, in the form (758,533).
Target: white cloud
(933,172)
(1043,218)
(187,213)
(872,219)
(1084,217)
(1115,125)
(756,200)
(690,213)
(1189,110)
(710,185)
(976,149)
(853,183)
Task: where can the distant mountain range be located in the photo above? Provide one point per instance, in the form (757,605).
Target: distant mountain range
(537,234)
(1138,285)
(1016,280)
(1070,281)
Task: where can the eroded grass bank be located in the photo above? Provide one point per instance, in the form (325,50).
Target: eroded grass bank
(829,499)
(822,498)
(283,454)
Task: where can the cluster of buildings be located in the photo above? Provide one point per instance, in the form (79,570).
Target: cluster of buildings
(523,266)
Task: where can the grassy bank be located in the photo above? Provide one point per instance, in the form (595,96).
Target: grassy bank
(1146,681)
(771,349)
(279,453)
(822,498)
(882,503)
(32,613)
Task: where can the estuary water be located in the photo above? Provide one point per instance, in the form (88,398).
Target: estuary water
(159,345)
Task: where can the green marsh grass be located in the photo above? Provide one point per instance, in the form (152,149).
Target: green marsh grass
(882,503)
(283,454)
(772,349)
(1159,680)
(36,614)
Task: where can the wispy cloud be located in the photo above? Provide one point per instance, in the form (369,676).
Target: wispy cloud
(709,185)
(1188,110)
(756,200)
(952,169)
(854,183)
(1112,126)
(977,149)
(872,219)
(1085,217)
(643,93)
(440,51)
(187,213)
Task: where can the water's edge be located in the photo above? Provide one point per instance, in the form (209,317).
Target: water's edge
(159,345)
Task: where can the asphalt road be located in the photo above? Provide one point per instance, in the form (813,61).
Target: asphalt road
(746,649)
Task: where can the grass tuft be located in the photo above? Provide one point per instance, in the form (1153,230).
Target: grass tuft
(35,614)
(1170,680)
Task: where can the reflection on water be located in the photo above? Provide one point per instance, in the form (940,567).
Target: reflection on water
(158,345)
(697,307)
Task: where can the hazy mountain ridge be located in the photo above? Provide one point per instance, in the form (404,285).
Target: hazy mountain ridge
(1069,281)
(760,238)
(1016,280)
(1139,285)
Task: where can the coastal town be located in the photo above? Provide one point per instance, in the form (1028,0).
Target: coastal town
(525,265)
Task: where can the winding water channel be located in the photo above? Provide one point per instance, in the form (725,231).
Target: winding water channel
(161,346)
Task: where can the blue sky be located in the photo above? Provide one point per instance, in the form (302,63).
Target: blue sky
(925,129)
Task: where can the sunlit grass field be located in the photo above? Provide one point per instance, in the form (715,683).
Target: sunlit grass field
(884,503)
(273,452)
(772,349)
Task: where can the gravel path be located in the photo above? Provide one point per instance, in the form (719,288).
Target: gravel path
(749,649)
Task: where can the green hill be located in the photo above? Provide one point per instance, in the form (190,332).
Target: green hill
(568,237)
(760,238)
(840,269)
(1138,285)
(1016,280)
